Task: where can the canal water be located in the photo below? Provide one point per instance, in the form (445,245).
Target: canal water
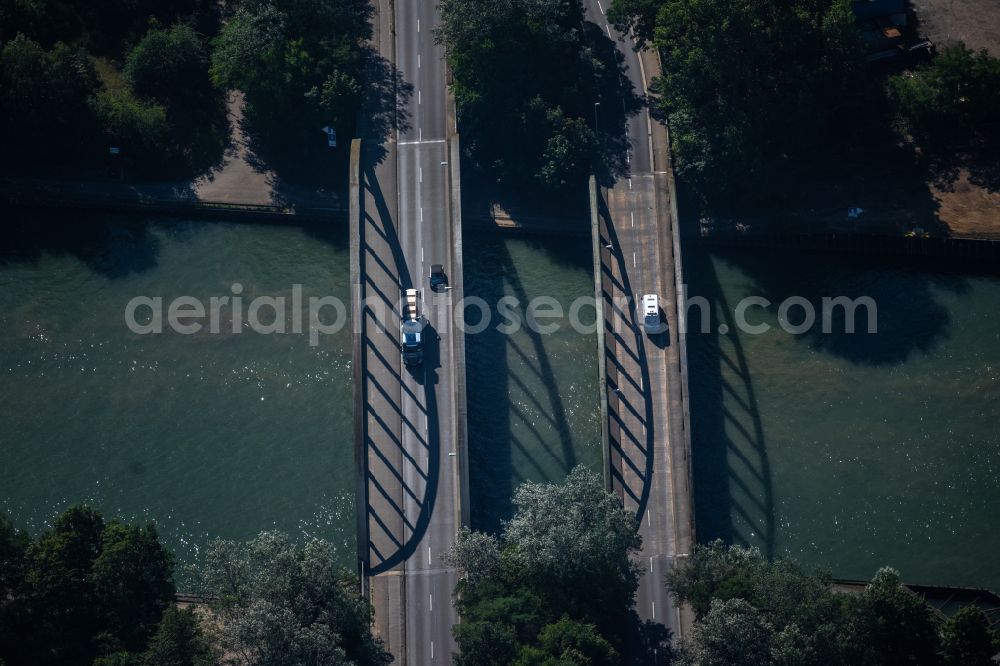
(850,452)
(532,395)
(208,435)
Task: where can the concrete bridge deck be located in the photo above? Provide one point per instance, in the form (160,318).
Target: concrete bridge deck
(410,422)
(637,252)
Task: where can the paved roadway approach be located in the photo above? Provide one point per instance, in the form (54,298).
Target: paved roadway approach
(410,422)
(647,424)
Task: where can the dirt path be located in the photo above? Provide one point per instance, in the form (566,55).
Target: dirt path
(238,179)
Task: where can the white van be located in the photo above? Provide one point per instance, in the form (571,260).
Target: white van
(652,322)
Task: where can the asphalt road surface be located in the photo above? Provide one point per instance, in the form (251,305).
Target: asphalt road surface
(413,483)
(646,422)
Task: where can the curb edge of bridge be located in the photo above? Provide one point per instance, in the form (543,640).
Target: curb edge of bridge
(602,372)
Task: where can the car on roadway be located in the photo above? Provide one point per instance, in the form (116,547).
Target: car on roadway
(652,318)
(439,281)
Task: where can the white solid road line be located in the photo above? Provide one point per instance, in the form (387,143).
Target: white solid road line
(601,6)
(421,141)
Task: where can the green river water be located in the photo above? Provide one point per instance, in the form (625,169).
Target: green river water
(847,452)
(208,435)
(851,451)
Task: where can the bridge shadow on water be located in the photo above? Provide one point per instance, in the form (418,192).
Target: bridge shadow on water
(519,422)
(733,493)
(735,497)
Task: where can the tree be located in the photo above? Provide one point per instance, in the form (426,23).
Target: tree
(891,625)
(803,620)
(85,589)
(571,535)
(528,67)
(569,643)
(635,16)
(179,641)
(43,101)
(731,633)
(747,84)
(557,587)
(279,604)
(168,64)
(485,644)
(138,128)
(133,581)
(568,151)
(301,65)
(62,603)
(103,27)
(13,544)
(967,640)
(951,103)
(715,571)
(170,68)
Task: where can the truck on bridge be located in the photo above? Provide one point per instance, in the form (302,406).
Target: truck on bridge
(411,331)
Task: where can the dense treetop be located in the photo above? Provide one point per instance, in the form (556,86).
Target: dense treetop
(755,612)
(83,589)
(279,604)
(753,89)
(90,591)
(951,104)
(525,77)
(557,586)
(64,100)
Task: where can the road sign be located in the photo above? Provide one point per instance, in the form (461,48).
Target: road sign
(331,136)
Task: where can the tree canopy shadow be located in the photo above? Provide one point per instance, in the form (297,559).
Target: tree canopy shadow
(296,150)
(908,319)
(386,108)
(111,245)
(618,101)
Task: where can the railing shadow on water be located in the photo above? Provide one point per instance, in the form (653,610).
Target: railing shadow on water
(521,433)
(734,497)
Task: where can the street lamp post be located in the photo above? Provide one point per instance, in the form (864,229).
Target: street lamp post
(596,106)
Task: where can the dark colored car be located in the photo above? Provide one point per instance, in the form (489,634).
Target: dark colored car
(438,279)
